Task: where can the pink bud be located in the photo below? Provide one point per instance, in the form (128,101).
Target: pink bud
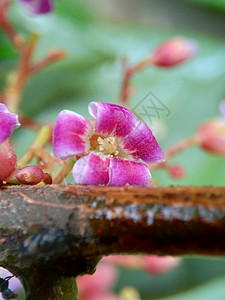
(176,171)
(211,136)
(159,264)
(7,160)
(173,52)
(30,175)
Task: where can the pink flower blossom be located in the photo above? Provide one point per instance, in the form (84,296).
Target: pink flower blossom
(8,122)
(111,148)
(39,6)
(98,285)
(173,52)
(211,135)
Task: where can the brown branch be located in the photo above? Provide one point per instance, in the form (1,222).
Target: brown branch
(65,229)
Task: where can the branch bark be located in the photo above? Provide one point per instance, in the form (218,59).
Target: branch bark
(61,231)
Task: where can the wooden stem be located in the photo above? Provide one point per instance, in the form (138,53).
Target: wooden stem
(66,229)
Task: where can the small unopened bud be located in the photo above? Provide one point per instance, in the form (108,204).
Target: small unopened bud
(211,136)
(30,175)
(173,52)
(7,160)
(176,171)
(159,264)
(47,178)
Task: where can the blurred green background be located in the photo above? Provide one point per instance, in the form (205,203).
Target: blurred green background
(96,34)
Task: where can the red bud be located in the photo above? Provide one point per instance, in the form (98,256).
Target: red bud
(30,175)
(173,52)
(7,160)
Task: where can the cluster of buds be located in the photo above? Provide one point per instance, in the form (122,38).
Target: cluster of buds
(29,175)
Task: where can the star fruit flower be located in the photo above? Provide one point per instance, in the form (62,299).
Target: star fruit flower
(111,149)
(8,122)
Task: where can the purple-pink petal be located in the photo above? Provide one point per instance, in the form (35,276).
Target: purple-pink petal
(8,122)
(39,6)
(92,169)
(69,135)
(112,119)
(95,169)
(141,144)
(123,171)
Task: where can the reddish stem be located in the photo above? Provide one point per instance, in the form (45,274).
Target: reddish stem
(128,73)
(16,40)
(174,150)
(53,56)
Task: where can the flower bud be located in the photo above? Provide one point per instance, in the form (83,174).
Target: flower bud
(157,265)
(30,175)
(176,171)
(211,136)
(7,160)
(173,52)
(47,178)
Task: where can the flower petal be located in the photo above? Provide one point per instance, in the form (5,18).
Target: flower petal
(123,171)
(8,122)
(112,119)
(39,6)
(92,169)
(142,144)
(69,135)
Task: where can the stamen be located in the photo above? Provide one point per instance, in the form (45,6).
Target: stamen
(108,145)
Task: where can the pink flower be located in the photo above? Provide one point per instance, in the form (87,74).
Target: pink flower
(98,285)
(111,148)
(211,135)
(39,6)
(8,122)
(173,52)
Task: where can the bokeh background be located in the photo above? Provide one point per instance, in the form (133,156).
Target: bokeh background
(96,34)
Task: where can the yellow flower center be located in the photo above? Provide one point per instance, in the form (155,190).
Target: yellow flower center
(108,146)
